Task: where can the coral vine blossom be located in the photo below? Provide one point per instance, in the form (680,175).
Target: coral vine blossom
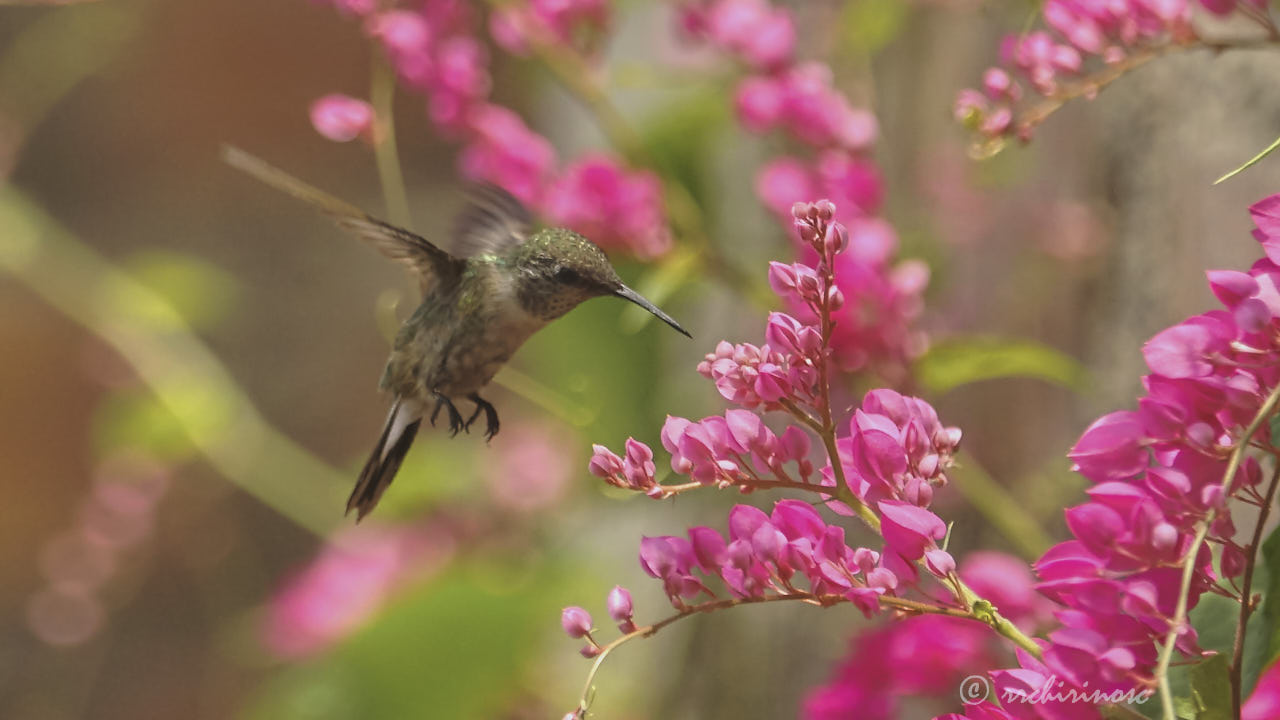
(1158,472)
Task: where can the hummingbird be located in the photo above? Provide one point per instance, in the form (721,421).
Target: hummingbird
(485,290)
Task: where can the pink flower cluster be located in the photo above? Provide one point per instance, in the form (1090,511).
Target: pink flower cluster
(515,26)
(876,329)
(1158,472)
(876,305)
(767,552)
(896,452)
(796,98)
(928,654)
(613,207)
(78,563)
(752,31)
(1109,33)
(347,583)
(435,52)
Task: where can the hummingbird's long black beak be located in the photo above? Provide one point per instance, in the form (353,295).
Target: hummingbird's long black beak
(635,297)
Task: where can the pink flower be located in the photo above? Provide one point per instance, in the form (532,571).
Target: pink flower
(576,622)
(909,530)
(342,118)
(530,471)
(610,205)
(620,609)
(760,35)
(1264,703)
(514,26)
(505,152)
(1112,448)
(347,583)
(928,654)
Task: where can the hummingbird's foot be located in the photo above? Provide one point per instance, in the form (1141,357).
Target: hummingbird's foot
(490,416)
(455,417)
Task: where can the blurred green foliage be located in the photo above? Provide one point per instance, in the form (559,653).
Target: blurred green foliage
(455,647)
(959,360)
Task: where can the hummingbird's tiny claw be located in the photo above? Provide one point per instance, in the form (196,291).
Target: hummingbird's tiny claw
(490,415)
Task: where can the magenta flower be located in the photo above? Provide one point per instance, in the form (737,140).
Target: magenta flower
(518,25)
(612,206)
(342,119)
(620,609)
(347,583)
(576,622)
(505,152)
(1264,703)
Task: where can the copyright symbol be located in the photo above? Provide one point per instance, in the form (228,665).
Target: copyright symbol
(974,689)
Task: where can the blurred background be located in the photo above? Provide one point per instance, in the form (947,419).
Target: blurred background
(189,366)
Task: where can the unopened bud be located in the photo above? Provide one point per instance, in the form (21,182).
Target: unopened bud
(835,298)
(826,209)
(800,210)
(619,604)
(575,621)
(835,240)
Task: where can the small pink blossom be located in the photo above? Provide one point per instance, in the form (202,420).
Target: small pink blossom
(347,583)
(613,206)
(342,118)
(576,622)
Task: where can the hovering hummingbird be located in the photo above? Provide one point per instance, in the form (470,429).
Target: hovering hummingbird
(495,283)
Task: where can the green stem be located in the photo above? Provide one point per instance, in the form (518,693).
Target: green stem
(903,604)
(1189,563)
(382,94)
(1246,591)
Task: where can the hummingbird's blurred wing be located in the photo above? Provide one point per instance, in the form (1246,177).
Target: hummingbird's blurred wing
(429,261)
(492,222)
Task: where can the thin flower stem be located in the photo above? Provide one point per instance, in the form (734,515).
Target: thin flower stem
(382,93)
(903,604)
(1189,564)
(1246,591)
(1093,83)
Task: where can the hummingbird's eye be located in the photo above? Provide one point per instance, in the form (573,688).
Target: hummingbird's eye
(568,275)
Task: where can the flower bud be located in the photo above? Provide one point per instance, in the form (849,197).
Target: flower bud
(825,210)
(806,231)
(782,278)
(576,622)
(589,651)
(341,118)
(835,240)
(800,210)
(604,462)
(835,298)
(619,604)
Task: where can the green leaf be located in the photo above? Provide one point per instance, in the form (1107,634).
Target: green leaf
(1274,423)
(962,360)
(1211,687)
(1186,708)
(1253,161)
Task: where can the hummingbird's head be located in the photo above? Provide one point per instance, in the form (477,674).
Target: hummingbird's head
(558,269)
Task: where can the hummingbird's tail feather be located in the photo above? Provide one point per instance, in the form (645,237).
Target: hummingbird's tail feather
(397,435)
